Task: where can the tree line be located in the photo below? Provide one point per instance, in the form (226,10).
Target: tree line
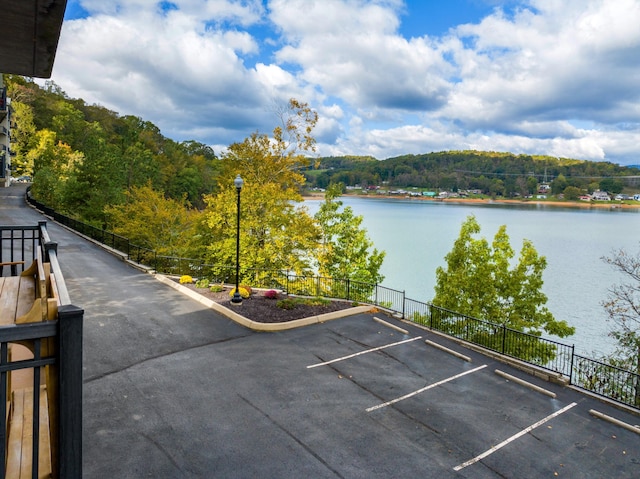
(492,173)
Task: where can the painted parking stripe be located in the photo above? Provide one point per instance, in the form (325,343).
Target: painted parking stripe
(363,352)
(514,437)
(430,386)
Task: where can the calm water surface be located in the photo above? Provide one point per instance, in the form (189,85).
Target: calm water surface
(417,235)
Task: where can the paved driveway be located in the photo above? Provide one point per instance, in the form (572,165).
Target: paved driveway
(174,390)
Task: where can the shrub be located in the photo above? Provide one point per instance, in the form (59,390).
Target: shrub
(248,288)
(243,292)
(216,288)
(290,303)
(287,303)
(202,283)
(186,279)
(271,294)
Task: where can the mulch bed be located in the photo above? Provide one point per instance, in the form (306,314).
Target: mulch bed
(264,310)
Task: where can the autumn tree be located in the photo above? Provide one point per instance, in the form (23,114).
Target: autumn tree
(480,281)
(150,220)
(275,233)
(345,250)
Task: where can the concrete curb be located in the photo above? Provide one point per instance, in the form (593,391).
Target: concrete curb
(255,325)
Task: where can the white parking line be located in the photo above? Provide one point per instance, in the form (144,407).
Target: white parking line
(406,396)
(363,352)
(514,437)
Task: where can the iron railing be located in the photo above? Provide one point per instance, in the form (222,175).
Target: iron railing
(588,374)
(57,354)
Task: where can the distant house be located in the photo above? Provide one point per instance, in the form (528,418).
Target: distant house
(600,196)
(585,198)
(544,188)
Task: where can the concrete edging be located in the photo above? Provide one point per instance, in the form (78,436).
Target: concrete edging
(255,325)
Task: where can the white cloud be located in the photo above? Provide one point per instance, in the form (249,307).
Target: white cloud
(546,76)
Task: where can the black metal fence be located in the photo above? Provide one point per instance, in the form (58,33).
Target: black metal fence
(57,354)
(589,374)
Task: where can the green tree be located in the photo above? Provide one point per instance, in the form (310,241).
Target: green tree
(559,184)
(22,138)
(275,233)
(611,185)
(345,250)
(152,221)
(479,281)
(572,193)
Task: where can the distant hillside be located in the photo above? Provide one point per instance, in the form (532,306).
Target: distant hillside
(497,173)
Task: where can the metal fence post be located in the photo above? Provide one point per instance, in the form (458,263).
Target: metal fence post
(504,338)
(287,281)
(69,456)
(573,351)
(404,300)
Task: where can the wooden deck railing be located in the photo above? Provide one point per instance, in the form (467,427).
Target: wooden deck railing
(40,359)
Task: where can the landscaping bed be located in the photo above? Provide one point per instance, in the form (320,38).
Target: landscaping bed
(262,309)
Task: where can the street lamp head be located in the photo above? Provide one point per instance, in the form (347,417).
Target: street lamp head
(238,182)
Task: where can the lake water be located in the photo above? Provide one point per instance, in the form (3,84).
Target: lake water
(417,235)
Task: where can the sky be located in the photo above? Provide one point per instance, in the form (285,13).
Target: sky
(387,77)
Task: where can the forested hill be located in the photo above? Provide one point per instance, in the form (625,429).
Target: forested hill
(85,157)
(493,173)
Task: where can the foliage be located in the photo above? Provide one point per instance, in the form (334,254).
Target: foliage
(216,288)
(91,156)
(572,193)
(202,283)
(151,220)
(275,234)
(345,250)
(271,294)
(291,303)
(462,170)
(186,279)
(243,292)
(623,309)
(479,282)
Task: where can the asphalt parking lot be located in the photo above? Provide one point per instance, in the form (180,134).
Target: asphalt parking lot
(175,390)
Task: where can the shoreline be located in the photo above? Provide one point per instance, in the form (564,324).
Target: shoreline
(613,205)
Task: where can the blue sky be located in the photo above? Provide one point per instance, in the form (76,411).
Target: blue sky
(387,77)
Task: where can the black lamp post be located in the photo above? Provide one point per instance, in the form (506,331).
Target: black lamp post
(237,297)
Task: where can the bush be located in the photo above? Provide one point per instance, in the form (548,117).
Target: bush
(286,303)
(290,303)
(243,292)
(247,288)
(186,279)
(216,288)
(202,283)
(271,294)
